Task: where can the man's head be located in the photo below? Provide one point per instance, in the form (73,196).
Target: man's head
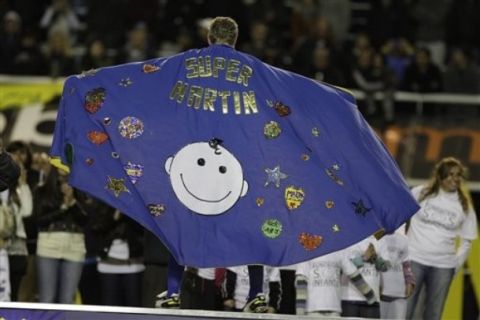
(223,30)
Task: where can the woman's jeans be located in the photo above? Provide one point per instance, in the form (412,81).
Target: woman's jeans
(436,282)
(57,279)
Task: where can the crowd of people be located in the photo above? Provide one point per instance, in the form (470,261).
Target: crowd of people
(412,45)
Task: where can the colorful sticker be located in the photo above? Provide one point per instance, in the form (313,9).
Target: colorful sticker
(335,228)
(125,82)
(272,130)
(89,161)
(97,137)
(156,209)
(294,197)
(274,176)
(281,109)
(150,68)
(360,208)
(315,132)
(130,127)
(134,171)
(117,186)
(94,99)
(310,241)
(331,173)
(260,201)
(329,204)
(272,228)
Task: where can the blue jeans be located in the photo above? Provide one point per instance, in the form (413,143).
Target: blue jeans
(437,282)
(57,279)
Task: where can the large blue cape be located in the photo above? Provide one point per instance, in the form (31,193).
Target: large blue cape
(228,160)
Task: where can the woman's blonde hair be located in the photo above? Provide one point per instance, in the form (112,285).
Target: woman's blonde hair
(440,173)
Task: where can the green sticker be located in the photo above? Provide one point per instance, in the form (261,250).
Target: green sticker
(272,228)
(272,130)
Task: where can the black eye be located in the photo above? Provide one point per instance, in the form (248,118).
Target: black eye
(222,169)
(201,162)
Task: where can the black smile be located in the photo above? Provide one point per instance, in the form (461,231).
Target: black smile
(204,200)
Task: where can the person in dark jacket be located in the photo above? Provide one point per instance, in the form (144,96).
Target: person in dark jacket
(9,170)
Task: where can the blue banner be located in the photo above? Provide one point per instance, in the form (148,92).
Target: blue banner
(228,160)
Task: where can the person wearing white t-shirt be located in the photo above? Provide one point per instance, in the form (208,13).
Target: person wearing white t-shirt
(237,288)
(366,255)
(445,214)
(398,281)
(319,284)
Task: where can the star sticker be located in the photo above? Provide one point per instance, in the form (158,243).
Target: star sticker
(360,208)
(125,82)
(274,176)
(335,228)
(336,167)
(117,186)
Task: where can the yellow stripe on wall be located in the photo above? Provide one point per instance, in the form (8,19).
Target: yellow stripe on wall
(454,305)
(19,95)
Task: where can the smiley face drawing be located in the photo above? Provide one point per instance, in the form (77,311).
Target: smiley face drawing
(206,177)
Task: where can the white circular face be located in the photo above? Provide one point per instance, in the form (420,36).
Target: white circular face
(207,180)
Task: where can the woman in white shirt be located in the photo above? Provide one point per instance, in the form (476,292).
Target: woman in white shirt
(445,214)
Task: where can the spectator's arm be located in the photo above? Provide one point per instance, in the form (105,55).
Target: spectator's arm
(360,283)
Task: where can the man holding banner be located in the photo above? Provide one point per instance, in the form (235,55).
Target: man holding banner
(228,160)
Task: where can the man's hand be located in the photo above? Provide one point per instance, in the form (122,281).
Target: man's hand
(370,254)
(228,304)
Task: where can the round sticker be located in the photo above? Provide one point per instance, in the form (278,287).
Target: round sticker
(130,127)
(272,228)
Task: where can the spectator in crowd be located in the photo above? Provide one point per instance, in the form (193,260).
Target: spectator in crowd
(10,41)
(319,285)
(61,242)
(121,260)
(429,17)
(462,74)
(323,70)
(28,288)
(371,76)
(60,17)
(138,46)
(422,75)
(399,53)
(446,214)
(261,44)
(237,286)
(96,56)
(18,198)
(30,60)
(59,54)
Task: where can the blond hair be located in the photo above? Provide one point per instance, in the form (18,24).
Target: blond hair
(223,30)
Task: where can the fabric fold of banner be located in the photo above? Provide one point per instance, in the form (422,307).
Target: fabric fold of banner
(228,160)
